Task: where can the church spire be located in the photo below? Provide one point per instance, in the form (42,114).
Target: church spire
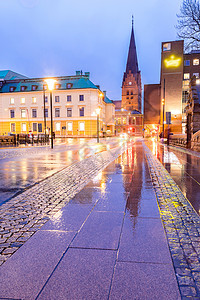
(132,62)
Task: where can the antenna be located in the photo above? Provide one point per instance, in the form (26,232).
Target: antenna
(132,20)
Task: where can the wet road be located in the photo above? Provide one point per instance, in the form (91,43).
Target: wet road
(183,167)
(23,167)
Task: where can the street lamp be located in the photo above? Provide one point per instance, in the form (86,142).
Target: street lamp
(163,105)
(98,113)
(51,82)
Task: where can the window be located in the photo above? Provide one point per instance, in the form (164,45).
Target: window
(24,127)
(12,127)
(69,98)
(127,97)
(81,97)
(46,112)
(46,99)
(81,112)
(39,127)
(34,113)
(131,92)
(69,112)
(119,121)
(167,47)
(69,85)
(44,87)
(127,93)
(187,63)
(57,99)
(12,113)
(34,100)
(23,113)
(34,87)
(57,126)
(35,127)
(12,88)
(124,120)
(82,126)
(23,88)
(12,101)
(196,74)
(186,76)
(57,86)
(69,126)
(22,100)
(195,62)
(57,112)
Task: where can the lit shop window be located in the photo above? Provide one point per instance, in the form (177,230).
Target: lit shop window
(23,113)
(12,101)
(24,127)
(12,127)
(186,76)
(58,126)
(34,100)
(69,126)
(124,121)
(82,126)
(167,47)
(22,100)
(195,62)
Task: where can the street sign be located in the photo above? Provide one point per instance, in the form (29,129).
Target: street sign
(168,117)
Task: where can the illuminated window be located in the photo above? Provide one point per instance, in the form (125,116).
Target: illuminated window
(124,120)
(24,127)
(23,113)
(119,121)
(196,74)
(33,99)
(35,127)
(186,76)
(187,63)
(82,126)
(22,100)
(69,112)
(57,99)
(12,127)
(195,62)
(167,47)
(34,113)
(81,112)
(12,113)
(57,112)
(57,126)
(69,98)
(69,126)
(12,101)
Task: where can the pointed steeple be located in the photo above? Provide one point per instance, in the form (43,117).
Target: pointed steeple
(132,62)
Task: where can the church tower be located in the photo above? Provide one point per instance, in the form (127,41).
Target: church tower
(131,85)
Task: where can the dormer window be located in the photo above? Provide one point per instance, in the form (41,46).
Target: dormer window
(69,85)
(23,88)
(44,87)
(58,86)
(34,87)
(12,88)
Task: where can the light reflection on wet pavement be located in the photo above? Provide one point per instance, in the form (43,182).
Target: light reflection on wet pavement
(23,167)
(183,167)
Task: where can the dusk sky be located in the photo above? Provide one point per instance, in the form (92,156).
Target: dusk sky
(57,37)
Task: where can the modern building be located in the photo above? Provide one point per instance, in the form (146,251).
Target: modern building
(177,68)
(128,114)
(25,106)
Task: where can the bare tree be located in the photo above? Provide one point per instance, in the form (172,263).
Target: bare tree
(189,24)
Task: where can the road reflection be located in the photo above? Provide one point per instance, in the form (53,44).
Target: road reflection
(184,168)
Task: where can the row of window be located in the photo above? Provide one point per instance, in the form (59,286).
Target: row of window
(187,75)
(129,93)
(57,99)
(195,62)
(57,113)
(37,127)
(34,87)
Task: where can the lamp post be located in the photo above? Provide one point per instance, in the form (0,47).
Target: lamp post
(97,113)
(45,123)
(51,82)
(163,105)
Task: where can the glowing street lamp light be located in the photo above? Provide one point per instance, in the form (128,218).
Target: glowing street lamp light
(50,83)
(98,113)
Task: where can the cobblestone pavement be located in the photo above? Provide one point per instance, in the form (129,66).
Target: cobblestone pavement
(28,212)
(182,227)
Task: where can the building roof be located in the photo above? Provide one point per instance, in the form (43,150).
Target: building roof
(135,112)
(107,100)
(10,75)
(77,82)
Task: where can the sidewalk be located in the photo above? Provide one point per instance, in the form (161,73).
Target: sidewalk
(107,242)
